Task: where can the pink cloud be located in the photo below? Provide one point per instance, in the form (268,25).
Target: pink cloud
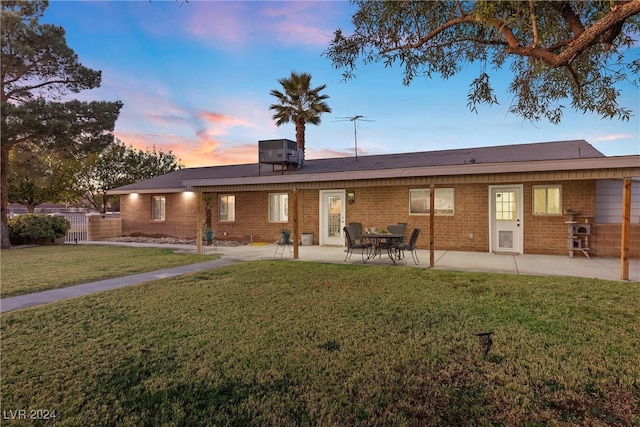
(232,24)
(299,22)
(613,137)
(310,153)
(165,118)
(222,23)
(201,150)
(222,119)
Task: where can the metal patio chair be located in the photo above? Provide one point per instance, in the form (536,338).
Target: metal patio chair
(352,244)
(356,227)
(411,246)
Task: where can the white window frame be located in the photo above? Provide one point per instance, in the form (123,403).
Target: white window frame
(158,208)
(226,208)
(544,210)
(278,207)
(444,201)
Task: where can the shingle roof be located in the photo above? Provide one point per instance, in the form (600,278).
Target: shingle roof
(561,150)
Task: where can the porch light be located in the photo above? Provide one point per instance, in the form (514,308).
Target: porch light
(351,197)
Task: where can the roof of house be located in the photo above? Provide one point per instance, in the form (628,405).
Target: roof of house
(365,165)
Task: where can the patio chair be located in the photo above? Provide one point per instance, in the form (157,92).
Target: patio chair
(356,227)
(397,228)
(411,246)
(352,244)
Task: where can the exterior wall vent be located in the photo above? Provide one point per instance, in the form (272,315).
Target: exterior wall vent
(281,152)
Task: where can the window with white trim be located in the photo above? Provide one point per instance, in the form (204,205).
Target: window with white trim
(158,208)
(419,201)
(226,208)
(546,200)
(278,207)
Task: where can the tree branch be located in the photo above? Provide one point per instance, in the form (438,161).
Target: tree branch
(10,94)
(421,41)
(573,21)
(618,14)
(534,23)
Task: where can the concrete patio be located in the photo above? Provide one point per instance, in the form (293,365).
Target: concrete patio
(545,265)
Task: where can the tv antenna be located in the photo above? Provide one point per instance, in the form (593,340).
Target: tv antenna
(355,120)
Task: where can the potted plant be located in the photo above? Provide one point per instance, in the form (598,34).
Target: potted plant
(285,235)
(209,233)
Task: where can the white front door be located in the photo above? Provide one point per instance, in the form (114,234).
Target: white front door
(505,219)
(332,217)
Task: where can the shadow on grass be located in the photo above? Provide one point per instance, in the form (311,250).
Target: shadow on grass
(143,392)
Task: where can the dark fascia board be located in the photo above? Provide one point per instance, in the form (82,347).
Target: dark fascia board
(468,169)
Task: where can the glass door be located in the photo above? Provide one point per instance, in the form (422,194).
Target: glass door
(332,217)
(506,219)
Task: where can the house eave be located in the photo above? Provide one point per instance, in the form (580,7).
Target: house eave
(148,191)
(618,162)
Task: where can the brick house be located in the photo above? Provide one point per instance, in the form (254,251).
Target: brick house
(512,198)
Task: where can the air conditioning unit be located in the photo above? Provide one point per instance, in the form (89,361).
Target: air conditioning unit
(283,152)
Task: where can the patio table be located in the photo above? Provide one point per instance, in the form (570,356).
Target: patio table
(380,241)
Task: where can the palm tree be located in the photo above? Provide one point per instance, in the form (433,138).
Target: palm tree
(299,104)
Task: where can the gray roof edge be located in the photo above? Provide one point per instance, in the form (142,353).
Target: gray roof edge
(468,169)
(116,191)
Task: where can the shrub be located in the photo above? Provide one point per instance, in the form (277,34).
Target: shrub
(33,228)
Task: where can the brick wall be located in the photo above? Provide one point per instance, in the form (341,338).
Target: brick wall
(180,216)
(547,234)
(380,206)
(466,230)
(99,228)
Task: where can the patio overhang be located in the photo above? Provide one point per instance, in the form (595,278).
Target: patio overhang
(572,169)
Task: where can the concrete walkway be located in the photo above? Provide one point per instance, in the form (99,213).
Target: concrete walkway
(600,268)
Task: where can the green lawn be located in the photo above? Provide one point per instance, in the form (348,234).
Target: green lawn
(293,343)
(33,269)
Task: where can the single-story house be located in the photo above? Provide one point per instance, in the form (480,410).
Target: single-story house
(524,198)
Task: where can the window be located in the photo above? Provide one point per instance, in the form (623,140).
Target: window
(157,208)
(506,205)
(227,208)
(419,201)
(279,207)
(546,200)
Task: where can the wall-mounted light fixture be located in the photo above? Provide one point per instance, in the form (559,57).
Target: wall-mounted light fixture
(351,197)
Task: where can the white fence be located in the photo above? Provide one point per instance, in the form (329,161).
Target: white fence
(78,230)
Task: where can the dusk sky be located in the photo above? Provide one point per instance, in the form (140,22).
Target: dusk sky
(195,79)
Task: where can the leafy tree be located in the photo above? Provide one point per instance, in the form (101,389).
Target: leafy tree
(37,176)
(556,50)
(119,165)
(38,69)
(299,103)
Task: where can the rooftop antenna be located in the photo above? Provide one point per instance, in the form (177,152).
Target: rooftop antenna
(354,119)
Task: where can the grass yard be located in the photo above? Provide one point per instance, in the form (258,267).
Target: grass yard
(33,269)
(295,343)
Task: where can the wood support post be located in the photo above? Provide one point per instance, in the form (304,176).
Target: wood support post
(199,208)
(296,234)
(625,231)
(432,250)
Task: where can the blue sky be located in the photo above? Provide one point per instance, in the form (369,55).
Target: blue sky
(195,79)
